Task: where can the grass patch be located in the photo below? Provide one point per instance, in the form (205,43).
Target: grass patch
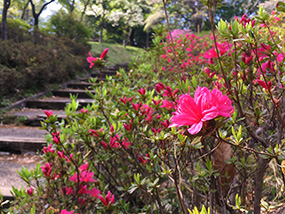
(117,53)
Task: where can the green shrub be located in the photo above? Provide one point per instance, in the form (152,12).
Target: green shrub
(28,66)
(66,25)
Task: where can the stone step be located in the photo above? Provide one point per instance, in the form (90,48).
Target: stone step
(55,103)
(9,165)
(104,74)
(30,116)
(21,145)
(80,93)
(79,85)
(21,139)
(117,67)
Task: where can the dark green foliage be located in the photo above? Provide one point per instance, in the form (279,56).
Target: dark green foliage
(26,67)
(66,25)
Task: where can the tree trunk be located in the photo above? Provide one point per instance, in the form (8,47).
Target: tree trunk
(147,40)
(101,30)
(36,29)
(36,17)
(131,37)
(4,19)
(124,40)
(261,168)
(84,9)
(24,16)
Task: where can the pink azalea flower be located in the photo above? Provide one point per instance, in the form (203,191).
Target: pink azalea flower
(156,102)
(94,192)
(159,86)
(104,53)
(104,145)
(30,191)
(128,127)
(81,201)
(56,137)
(47,169)
(60,154)
(165,123)
(222,103)
(108,200)
(209,72)
(148,117)
(84,167)
(280,58)
(87,176)
(67,212)
(48,149)
(155,131)
(84,111)
(126,144)
(112,128)
(141,91)
(48,113)
(145,109)
(268,65)
(73,178)
(142,160)
(124,100)
(136,106)
(114,143)
(83,189)
(56,140)
(168,92)
(205,105)
(69,190)
(263,84)
(210,54)
(91,60)
(167,104)
(246,59)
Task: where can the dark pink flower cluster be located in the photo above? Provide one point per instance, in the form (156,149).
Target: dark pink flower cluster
(84,175)
(245,20)
(93,60)
(143,160)
(116,142)
(108,200)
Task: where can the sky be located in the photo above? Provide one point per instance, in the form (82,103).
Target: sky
(50,10)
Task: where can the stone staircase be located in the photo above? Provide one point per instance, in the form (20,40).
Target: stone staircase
(20,144)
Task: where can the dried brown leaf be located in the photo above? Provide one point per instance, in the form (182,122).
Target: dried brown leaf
(227,171)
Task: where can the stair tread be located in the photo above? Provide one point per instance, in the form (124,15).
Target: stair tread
(18,132)
(62,99)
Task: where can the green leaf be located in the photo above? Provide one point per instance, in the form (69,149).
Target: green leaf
(239,133)
(196,140)
(235,27)
(132,189)
(280,6)
(194,82)
(33,210)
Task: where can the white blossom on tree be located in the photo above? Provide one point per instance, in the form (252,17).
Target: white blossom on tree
(128,13)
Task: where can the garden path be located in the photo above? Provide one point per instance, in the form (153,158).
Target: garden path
(22,140)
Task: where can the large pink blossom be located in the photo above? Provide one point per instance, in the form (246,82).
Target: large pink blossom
(205,105)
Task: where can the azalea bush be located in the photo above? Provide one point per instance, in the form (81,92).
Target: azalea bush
(195,124)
